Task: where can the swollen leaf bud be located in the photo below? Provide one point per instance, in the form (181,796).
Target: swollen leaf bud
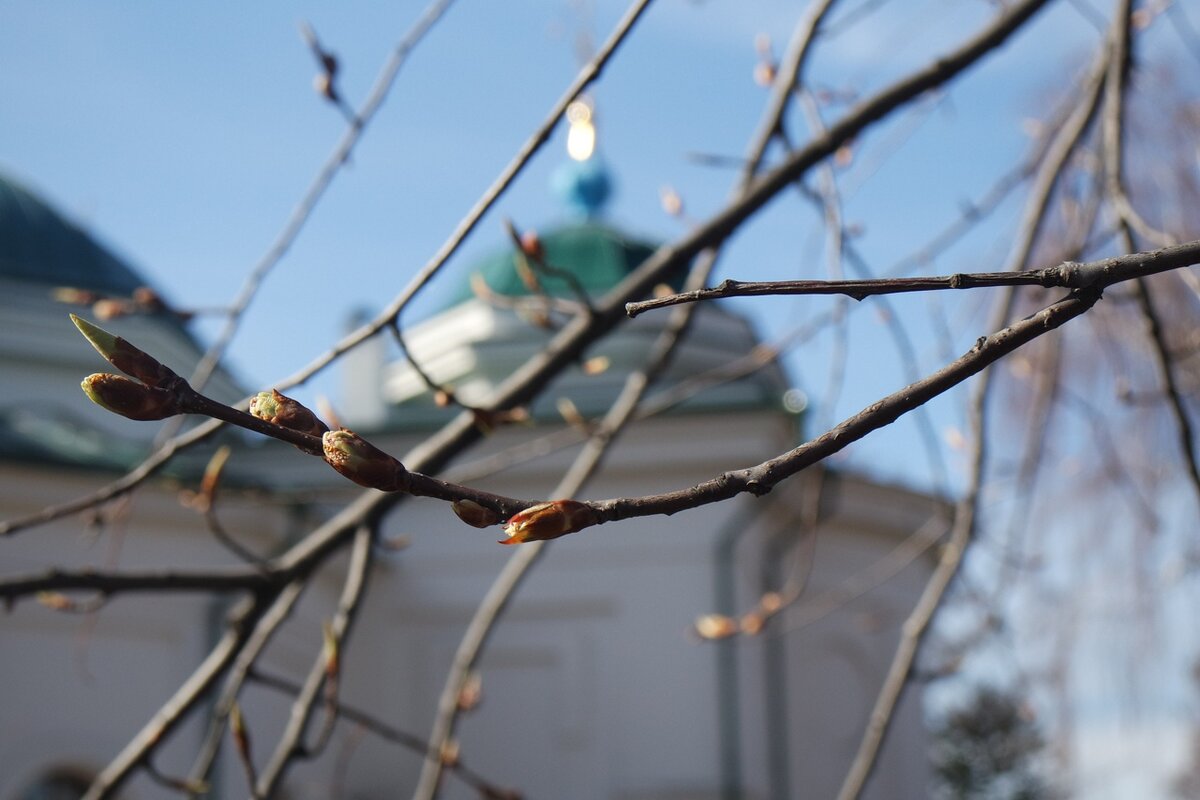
(124,356)
(281,410)
(362,462)
(531,245)
(549,521)
(716,626)
(129,398)
(474,514)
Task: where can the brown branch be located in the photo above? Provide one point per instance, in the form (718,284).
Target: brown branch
(389,733)
(1162,364)
(1068,275)
(518,566)
(176,709)
(264,629)
(1133,225)
(291,744)
(108,583)
(118,488)
(912,632)
(762,478)
(169,448)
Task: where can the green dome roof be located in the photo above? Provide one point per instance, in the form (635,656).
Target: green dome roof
(600,257)
(38,245)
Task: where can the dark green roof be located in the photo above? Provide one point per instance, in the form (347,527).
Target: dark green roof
(38,244)
(598,256)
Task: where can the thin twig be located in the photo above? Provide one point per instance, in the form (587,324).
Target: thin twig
(587,75)
(316,190)
(1132,225)
(265,628)
(499,595)
(291,744)
(176,709)
(389,733)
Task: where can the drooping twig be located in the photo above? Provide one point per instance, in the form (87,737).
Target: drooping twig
(1132,225)
(963,528)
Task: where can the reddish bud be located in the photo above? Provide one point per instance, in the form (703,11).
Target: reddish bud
(147,299)
(549,521)
(129,398)
(753,623)
(281,410)
(596,365)
(471,693)
(109,308)
(672,203)
(531,245)
(74,296)
(362,462)
(56,601)
(716,626)
(474,514)
(764,73)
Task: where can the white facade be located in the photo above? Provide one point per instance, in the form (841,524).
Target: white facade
(594,685)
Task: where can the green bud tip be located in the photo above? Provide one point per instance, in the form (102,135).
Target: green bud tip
(124,356)
(105,343)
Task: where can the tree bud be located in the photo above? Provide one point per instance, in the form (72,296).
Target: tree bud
(474,514)
(284,411)
(549,521)
(531,245)
(362,462)
(716,626)
(124,356)
(129,398)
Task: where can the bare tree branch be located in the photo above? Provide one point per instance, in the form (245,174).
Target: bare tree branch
(291,744)
(173,712)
